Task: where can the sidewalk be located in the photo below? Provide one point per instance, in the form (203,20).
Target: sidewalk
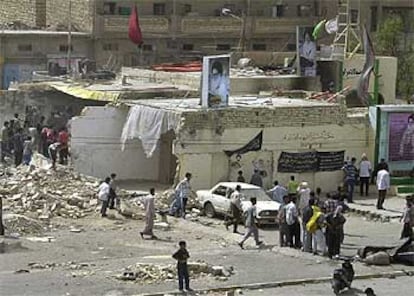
(367,206)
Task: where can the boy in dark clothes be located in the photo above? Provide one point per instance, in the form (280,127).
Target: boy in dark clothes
(182,269)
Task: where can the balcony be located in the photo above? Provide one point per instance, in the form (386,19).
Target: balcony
(210,25)
(151,24)
(280,25)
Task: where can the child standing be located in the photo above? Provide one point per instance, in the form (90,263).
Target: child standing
(407,219)
(182,269)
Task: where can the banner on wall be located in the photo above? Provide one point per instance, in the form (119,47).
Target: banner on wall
(254,145)
(311,161)
(401,137)
(215,81)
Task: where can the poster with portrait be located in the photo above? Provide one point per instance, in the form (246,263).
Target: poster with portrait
(215,81)
(401,137)
(305,52)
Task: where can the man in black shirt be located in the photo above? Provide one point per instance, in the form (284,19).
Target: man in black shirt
(182,269)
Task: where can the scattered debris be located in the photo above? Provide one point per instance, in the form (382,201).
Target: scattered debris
(44,239)
(152,273)
(17,224)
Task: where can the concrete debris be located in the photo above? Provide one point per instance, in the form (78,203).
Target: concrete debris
(164,200)
(16,223)
(43,194)
(379,258)
(71,265)
(44,239)
(152,273)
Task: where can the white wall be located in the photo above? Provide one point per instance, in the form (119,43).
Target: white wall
(203,153)
(96,146)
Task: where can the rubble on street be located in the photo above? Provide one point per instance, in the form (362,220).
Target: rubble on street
(43,194)
(155,273)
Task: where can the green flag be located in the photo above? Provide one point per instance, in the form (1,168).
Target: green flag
(318,28)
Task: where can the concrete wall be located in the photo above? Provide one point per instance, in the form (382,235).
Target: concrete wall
(96,146)
(387,72)
(44,101)
(82,14)
(205,136)
(18,10)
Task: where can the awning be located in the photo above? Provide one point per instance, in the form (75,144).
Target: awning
(81,92)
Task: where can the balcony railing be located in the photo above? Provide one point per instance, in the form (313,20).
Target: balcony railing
(210,24)
(148,24)
(280,25)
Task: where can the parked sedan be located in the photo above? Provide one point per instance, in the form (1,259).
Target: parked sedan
(217,201)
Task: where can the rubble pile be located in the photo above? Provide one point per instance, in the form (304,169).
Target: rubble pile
(16,223)
(164,200)
(42,194)
(152,273)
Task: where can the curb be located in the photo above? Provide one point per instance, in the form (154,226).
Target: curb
(374,216)
(267,285)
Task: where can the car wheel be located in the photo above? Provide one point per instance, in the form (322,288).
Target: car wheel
(209,210)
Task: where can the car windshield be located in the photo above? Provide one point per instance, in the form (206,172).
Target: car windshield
(260,194)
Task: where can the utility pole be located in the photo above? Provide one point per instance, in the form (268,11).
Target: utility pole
(69,38)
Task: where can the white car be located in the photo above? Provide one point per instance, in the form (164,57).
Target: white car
(216,201)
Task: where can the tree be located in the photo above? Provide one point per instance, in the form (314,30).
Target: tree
(390,41)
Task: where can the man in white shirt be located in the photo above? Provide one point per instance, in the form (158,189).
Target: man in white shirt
(365,170)
(383,184)
(103,195)
(149,205)
(182,192)
(235,209)
(292,221)
(278,192)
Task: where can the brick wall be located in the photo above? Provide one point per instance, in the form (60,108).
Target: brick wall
(18,10)
(265,117)
(57,13)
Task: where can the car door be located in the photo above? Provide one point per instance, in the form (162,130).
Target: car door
(219,199)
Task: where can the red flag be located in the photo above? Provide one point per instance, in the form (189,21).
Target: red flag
(134,30)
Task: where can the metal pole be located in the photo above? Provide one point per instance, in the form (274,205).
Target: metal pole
(376,82)
(69,38)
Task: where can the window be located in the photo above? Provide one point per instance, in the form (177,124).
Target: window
(159,9)
(259,46)
(221,190)
(110,46)
(188,46)
(374,18)
(109,7)
(278,11)
(64,48)
(147,47)
(187,8)
(124,10)
(24,47)
(223,47)
(354,16)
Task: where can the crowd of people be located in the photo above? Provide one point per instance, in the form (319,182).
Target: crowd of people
(21,138)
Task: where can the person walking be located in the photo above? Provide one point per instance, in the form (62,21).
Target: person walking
(149,206)
(283,227)
(365,171)
(383,184)
(277,192)
(103,195)
(350,178)
(235,209)
(182,256)
(408,219)
(182,191)
(113,198)
(256,178)
(335,222)
(292,221)
(251,225)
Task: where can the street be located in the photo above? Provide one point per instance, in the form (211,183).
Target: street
(105,247)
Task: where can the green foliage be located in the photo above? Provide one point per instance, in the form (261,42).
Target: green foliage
(390,41)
